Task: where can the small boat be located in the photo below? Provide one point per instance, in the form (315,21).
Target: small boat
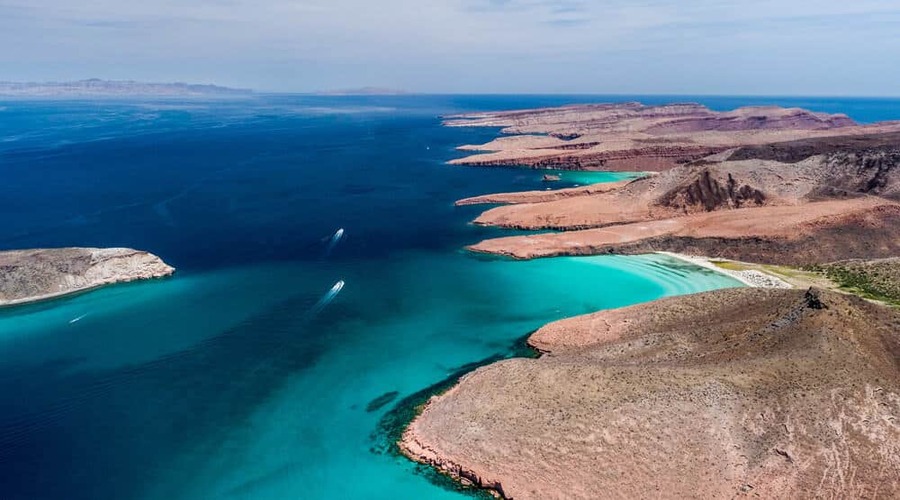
(76,320)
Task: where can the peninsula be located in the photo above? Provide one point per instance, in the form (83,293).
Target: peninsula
(768,392)
(39,274)
(799,202)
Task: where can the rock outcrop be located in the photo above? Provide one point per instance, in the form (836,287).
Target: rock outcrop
(707,193)
(32,275)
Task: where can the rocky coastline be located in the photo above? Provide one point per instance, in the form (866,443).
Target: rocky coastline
(41,274)
(779,389)
(798,203)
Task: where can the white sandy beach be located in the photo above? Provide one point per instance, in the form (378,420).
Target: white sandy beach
(750,277)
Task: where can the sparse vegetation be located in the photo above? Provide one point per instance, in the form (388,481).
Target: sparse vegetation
(730,265)
(875,279)
(789,272)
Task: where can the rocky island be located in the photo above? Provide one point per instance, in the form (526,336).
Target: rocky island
(33,275)
(776,392)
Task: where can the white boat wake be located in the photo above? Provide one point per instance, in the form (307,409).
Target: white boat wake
(76,320)
(333,241)
(327,298)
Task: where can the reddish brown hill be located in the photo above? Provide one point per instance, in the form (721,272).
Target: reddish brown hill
(733,393)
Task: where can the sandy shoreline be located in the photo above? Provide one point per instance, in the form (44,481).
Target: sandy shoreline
(751,277)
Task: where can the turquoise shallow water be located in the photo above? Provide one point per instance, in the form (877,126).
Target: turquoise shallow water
(233,380)
(274,404)
(569,178)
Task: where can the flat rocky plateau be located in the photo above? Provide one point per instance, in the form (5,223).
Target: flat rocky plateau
(634,137)
(38,274)
(743,392)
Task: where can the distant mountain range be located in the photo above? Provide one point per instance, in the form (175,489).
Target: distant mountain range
(108,88)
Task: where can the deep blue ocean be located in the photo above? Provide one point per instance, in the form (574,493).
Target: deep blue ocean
(241,376)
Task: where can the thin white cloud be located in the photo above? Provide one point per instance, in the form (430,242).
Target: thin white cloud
(461,45)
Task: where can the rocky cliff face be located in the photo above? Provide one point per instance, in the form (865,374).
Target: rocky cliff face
(791,172)
(30,275)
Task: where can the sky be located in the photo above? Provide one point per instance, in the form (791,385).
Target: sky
(760,47)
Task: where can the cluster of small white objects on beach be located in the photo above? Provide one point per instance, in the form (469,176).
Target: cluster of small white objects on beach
(761,280)
(749,277)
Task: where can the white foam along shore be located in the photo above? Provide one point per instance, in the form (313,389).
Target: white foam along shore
(750,277)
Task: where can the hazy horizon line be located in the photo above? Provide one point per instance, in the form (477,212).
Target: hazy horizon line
(388,91)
